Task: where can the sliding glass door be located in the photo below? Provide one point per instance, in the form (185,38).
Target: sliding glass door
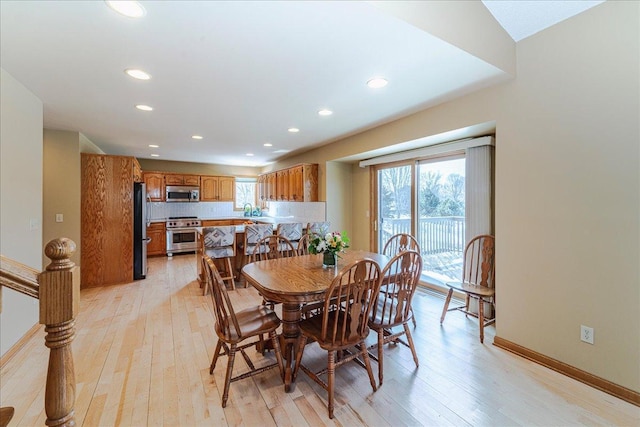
(425,198)
(441,217)
(395,202)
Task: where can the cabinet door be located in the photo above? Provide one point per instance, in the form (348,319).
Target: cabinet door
(209,188)
(296,184)
(310,183)
(172,179)
(191,180)
(282,184)
(137,171)
(155,186)
(271,186)
(226,188)
(158,243)
(262,187)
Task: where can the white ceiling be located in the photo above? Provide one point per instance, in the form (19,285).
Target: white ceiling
(238,73)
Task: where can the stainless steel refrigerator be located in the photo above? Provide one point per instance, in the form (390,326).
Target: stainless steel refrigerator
(140,223)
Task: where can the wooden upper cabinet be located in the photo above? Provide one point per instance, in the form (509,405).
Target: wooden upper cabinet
(262,187)
(217,188)
(155,186)
(177,179)
(272,192)
(295,184)
(282,184)
(227,188)
(191,180)
(137,171)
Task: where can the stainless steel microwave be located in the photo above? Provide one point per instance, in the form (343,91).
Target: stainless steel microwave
(182,193)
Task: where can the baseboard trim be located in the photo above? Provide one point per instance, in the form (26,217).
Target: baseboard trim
(594,381)
(19,344)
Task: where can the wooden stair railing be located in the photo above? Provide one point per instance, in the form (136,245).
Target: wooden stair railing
(58,288)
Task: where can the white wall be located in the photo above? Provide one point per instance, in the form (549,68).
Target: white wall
(20,205)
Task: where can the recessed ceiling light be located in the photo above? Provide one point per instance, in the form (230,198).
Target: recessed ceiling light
(377,82)
(196,137)
(155,155)
(131,9)
(137,74)
(153,146)
(250,154)
(294,130)
(325,112)
(144,107)
(268,145)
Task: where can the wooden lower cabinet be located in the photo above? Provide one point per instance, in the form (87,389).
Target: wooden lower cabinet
(157,232)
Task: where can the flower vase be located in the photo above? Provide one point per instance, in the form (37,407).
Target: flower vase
(328,260)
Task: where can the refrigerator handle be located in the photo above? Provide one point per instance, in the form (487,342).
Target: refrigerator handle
(148,211)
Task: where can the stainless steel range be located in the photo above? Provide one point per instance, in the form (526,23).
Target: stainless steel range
(181,234)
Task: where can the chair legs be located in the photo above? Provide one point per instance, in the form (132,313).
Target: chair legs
(446,305)
(385,337)
(329,386)
(230,274)
(465,309)
(230,351)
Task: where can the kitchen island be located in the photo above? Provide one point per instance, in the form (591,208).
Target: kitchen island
(239,223)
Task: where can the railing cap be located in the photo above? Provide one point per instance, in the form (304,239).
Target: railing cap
(59,251)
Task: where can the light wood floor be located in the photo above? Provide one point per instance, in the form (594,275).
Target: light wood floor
(143,349)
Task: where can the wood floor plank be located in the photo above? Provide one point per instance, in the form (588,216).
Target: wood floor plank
(142,353)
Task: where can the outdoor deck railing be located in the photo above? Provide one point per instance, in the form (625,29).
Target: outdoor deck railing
(435,234)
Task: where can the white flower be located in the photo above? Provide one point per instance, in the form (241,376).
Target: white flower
(321,246)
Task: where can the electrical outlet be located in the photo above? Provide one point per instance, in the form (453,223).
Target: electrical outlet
(586,334)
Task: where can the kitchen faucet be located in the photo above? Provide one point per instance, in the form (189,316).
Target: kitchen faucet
(248,212)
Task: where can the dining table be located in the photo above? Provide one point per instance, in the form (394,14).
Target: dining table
(294,282)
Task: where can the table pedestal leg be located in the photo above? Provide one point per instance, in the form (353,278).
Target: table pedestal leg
(289,339)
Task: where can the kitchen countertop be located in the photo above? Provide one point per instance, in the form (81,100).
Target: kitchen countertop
(263,219)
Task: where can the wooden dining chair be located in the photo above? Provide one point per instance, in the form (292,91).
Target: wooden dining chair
(392,307)
(272,247)
(398,243)
(233,328)
(478,277)
(303,244)
(220,243)
(343,324)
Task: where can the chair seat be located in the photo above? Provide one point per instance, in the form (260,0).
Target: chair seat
(255,249)
(252,321)
(312,328)
(473,289)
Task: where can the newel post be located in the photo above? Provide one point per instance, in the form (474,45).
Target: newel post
(59,300)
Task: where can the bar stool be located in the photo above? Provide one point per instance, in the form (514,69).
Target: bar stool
(320,228)
(253,233)
(292,231)
(220,243)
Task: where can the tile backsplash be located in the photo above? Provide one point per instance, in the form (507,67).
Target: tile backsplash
(311,211)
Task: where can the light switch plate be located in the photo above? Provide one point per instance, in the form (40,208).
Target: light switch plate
(59,218)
